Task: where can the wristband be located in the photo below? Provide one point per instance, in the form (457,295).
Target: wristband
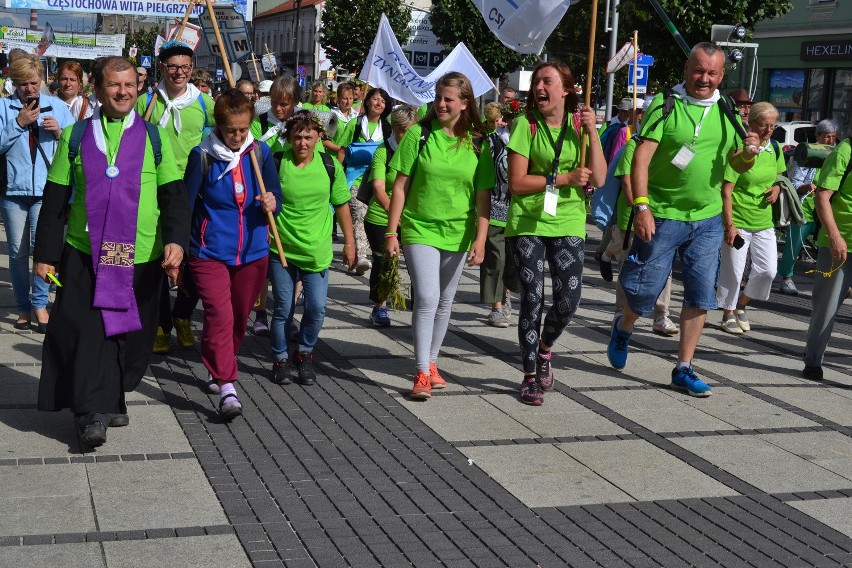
(744,160)
(638,200)
(390,235)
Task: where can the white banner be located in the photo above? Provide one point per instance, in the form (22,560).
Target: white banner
(162,8)
(523,25)
(622,58)
(388,68)
(61,50)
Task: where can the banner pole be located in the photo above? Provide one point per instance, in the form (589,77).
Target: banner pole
(275,65)
(255,166)
(587,91)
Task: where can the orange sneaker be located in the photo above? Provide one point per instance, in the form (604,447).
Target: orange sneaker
(435,378)
(422,387)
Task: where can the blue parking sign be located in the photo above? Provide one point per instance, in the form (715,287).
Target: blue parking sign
(220,73)
(146,61)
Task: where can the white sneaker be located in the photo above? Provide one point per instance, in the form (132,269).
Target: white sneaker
(664,326)
(787,287)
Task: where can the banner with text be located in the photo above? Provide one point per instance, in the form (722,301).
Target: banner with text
(388,68)
(523,25)
(162,8)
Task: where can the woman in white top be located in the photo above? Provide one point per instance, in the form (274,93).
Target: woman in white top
(70,77)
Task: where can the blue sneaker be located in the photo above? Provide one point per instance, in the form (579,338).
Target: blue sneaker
(684,378)
(616,351)
(379,317)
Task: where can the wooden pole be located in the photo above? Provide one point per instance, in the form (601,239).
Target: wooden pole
(189,6)
(635,70)
(255,166)
(587,91)
(254,62)
(275,65)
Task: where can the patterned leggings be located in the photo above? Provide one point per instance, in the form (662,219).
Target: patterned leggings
(564,256)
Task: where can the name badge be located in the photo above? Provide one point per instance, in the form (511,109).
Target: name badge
(551,199)
(239,188)
(683,156)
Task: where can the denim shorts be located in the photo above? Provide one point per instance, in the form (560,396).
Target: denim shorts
(647,267)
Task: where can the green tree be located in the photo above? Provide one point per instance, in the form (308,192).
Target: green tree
(455,21)
(144,40)
(349,28)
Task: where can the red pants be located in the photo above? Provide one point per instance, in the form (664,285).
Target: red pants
(228,294)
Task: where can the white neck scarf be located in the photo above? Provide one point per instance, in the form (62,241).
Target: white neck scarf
(217,149)
(365,130)
(278,128)
(180,103)
(681,90)
(98,129)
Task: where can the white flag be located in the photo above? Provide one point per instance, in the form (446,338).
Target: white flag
(622,58)
(523,25)
(388,68)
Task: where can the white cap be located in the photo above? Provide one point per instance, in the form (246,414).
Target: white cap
(627,104)
(264,86)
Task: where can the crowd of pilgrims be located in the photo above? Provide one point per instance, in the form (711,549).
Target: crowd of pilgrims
(440,186)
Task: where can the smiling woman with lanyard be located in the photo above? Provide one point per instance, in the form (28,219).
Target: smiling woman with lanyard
(547,216)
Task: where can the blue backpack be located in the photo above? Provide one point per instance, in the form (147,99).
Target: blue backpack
(605,198)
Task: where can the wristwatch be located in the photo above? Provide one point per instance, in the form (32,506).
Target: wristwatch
(640,207)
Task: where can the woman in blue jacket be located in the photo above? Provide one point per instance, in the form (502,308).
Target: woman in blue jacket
(229,242)
(30,125)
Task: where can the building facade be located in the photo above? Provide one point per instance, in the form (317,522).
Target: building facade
(805,60)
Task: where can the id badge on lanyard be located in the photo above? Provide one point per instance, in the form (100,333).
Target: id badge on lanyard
(687,152)
(551,192)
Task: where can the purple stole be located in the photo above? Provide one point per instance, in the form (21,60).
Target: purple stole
(112,206)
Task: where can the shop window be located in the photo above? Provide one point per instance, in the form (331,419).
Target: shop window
(841,101)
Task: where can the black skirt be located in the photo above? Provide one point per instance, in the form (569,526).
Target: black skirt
(82,369)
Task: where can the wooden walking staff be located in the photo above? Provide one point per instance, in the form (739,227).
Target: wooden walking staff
(590,68)
(189,7)
(255,166)
(275,66)
(254,62)
(635,78)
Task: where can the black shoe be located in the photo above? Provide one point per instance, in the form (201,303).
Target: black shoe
(812,373)
(605,267)
(93,434)
(281,372)
(305,366)
(118,420)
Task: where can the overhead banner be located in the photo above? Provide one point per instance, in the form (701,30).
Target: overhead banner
(522,25)
(388,68)
(60,50)
(50,43)
(162,8)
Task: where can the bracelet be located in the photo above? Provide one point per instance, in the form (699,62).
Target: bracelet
(638,200)
(744,160)
(390,235)
(344,246)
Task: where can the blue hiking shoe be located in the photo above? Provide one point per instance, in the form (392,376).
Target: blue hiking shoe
(379,317)
(685,379)
(616,351)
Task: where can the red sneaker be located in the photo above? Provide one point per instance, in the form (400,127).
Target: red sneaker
(435,378)
(422,386)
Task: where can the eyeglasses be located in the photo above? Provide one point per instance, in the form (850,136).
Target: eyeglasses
(766,126)
(182,68)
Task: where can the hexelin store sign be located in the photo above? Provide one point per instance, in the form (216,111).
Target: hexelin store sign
(826,50)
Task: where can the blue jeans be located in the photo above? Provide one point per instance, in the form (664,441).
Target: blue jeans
(315,289)
(20,217)
(644,273)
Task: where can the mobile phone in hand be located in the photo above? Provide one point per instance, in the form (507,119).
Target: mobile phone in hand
(738,242)
(31,100)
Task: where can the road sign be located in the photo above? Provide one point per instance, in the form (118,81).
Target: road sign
(302,82)
(301,71)
(232,26)
(133,51)
(219,74)
(146,61)
(643,66)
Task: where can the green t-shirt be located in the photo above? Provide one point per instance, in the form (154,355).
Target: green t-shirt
(841,203)
(274,143)
(311,106)
(305,221)
(748,202)
(346,135)
(440,206)
(148,244)
(376,214)
(622,210)
(694,193)
(192,123)
(526,213)
(808,207)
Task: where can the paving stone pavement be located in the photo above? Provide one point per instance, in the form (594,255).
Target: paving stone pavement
(616,469)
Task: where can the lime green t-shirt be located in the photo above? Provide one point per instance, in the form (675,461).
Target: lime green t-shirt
(622,209)
(748,202)
(808,206)
(311,106)
(440,206)
(274,143)
(376,214)
(830,176)
(526,213)
(305,221)
(192,124)
(694,193)
(148,244)
(346,135)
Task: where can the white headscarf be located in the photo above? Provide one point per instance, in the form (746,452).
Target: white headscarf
(217,150)
(187,98)
(681,90)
